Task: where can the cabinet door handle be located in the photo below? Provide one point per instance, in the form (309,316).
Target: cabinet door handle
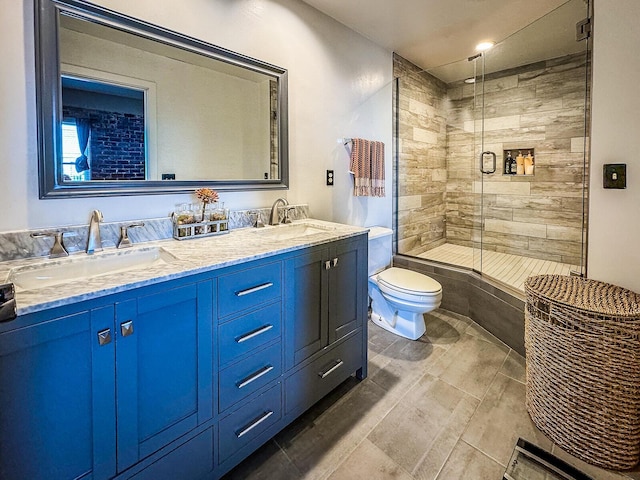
(254,376)
(254,333)
(254,424)
(337,365)
(104,337)
(327,265)
(126,328)
(335,262)
(242,293)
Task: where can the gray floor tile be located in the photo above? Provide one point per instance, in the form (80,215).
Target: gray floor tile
(466,462)
(514,367)
(470,364)
(368,462)
(406,434)
(501,419)
(477,331)
(266,463)
(316,446)
(445,328)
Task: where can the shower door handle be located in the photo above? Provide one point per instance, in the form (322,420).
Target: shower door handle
(493,168)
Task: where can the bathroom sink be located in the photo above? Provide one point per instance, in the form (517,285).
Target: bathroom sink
(292,230)
(55,272)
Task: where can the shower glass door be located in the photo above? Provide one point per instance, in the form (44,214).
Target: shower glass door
(523,211)
(533,208)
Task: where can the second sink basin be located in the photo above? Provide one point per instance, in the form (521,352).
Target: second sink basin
(56,272)
(292,230)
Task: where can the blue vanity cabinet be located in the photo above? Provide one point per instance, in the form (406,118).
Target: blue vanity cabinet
(164,368)
(326,341)
(57,402)
(93,392)
(326,296)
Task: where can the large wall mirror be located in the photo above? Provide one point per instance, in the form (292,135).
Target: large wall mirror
(129,108)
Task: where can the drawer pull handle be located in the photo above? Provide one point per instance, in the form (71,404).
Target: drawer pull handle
(255,333)
(338,364)
(334,262)
(242,293)
(254,423)
(327,265)
(254,376)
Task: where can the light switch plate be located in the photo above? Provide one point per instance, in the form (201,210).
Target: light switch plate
(614,175)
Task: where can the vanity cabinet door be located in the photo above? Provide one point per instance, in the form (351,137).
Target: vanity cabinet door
(325,297)
(57,404)
(347,275)
(307,313)
(163,368)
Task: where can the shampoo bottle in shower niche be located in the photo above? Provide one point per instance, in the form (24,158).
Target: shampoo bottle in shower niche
(529,164)
(508,161)
(519,164)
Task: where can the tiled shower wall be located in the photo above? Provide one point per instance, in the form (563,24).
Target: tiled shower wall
(537,106)
(422,157)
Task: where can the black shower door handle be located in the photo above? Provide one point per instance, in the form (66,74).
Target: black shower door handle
(493,155)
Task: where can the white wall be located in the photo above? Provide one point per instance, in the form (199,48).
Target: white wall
(339,86)
(614,218)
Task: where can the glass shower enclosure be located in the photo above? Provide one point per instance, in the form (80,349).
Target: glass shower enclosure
(492,154)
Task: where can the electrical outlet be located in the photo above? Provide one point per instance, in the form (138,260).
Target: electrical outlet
(330,178)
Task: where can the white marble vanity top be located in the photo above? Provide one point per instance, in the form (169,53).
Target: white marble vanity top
(190,257)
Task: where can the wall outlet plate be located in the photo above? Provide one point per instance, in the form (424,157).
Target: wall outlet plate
(330,178)
(614,175)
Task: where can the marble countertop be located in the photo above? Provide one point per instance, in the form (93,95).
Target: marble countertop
(191,257)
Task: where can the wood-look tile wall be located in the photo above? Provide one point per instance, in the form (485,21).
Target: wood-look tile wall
(422,158)
(537,106)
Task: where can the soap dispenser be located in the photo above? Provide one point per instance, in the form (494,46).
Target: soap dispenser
(508,160)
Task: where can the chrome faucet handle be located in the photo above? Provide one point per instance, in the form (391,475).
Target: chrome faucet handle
(287,218)
(258,223)
(125,241)
(57,250)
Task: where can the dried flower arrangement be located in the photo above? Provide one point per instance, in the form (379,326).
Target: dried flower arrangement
(206,196)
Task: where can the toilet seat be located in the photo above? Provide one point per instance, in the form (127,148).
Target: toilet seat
(408,285)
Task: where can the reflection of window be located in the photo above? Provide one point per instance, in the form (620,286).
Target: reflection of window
(71,151)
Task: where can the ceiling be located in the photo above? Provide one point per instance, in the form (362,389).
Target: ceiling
(433,33)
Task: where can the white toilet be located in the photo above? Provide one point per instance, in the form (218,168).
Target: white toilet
(399,297)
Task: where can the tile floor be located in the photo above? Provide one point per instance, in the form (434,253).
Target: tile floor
(448,406)
(507,268)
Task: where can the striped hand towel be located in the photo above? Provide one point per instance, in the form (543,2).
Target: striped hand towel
(367,165)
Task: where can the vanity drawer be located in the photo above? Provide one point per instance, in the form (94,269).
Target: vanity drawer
(250,421)
(247,288)
(251,331)
(311,383)
(250,374)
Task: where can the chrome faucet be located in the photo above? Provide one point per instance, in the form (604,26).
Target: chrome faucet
(94,242)
(274,219)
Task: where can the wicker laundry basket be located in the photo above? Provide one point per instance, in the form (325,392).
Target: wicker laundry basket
(582,341)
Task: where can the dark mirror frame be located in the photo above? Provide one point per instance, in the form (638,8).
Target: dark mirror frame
(49,102)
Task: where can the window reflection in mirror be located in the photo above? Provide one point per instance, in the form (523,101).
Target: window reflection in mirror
(108,123)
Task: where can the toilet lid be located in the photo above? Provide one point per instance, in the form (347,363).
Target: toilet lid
(407,281)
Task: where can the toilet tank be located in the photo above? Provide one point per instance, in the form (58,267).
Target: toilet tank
(380,248)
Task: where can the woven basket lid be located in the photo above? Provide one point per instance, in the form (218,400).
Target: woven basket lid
(585,294)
